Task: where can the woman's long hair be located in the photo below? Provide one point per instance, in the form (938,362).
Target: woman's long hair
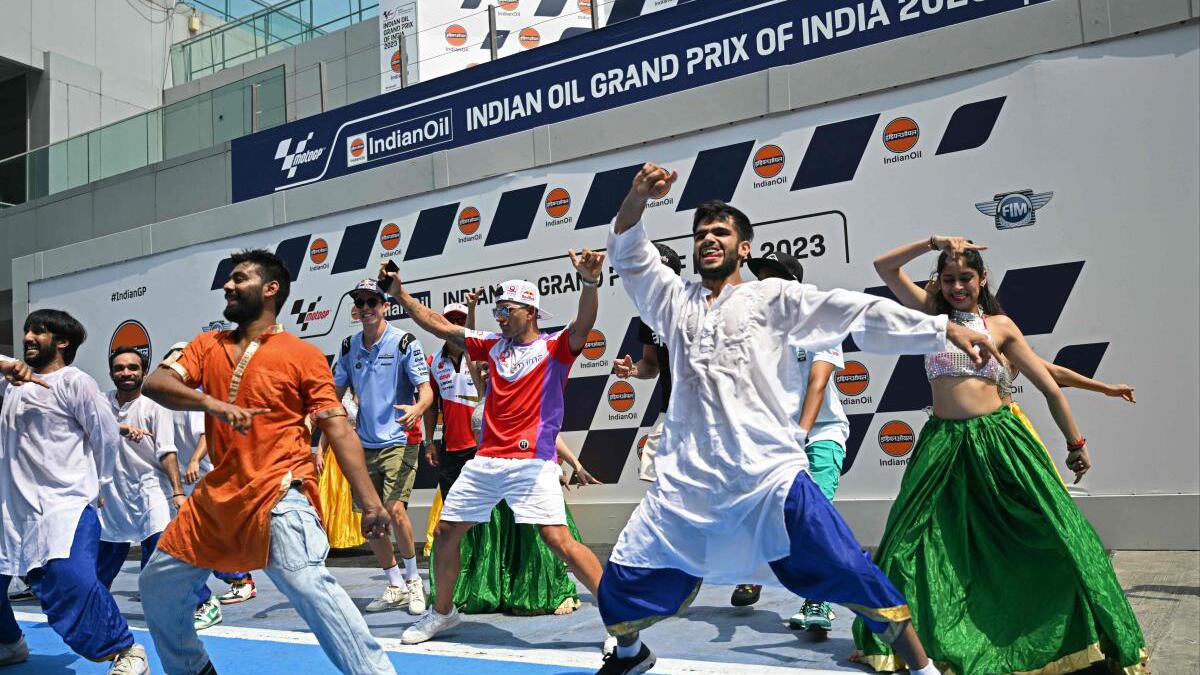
(933,289)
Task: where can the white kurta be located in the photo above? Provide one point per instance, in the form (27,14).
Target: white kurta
(51,443)
(731,448)
(189,427)
(136,503)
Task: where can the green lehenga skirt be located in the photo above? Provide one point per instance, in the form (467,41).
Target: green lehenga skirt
(506,567)
(1002,572)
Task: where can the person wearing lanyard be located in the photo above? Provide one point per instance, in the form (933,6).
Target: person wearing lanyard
(387,369)
(258,384)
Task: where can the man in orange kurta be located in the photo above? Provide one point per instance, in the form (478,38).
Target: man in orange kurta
(256,508)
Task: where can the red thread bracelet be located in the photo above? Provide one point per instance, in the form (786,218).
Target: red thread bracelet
(1077,445)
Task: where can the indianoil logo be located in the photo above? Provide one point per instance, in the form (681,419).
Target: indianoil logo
(768,161)
(641,444)
(529,38)
(509,5)
(357,147)
(390,236)
(456,35)
(468,220)
(585,7)
(896,438)
(396,62)
(558,203)
(621,396)
(593,347)
(901,134)
(853,379)
(318,251)
(131,333)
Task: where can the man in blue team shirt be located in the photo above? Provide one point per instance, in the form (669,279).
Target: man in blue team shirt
(386,368)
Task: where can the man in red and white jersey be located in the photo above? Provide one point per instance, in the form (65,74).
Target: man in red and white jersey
(455,396)
(516,457)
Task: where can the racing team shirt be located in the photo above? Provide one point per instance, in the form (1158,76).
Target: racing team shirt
(524,411)
(384,376)
(456,392)
(135,502)
(52,441)
(831,423)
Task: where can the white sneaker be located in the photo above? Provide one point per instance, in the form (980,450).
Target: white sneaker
(238,592)
(430,625)
(394,597)
(132,661)
(16,652)
(416,596)
(610,645)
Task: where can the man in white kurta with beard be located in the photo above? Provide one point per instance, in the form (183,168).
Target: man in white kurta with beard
(733,501)
(145,489)
(52,439)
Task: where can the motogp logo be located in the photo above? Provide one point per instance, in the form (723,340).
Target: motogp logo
(292,160)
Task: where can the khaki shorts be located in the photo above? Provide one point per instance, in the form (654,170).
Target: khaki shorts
(393,471)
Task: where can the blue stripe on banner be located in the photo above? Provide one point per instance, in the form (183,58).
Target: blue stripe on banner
(431,232)
(1034,297)
(623,10)
(1083,359)
(970,126)
(355,249)
(908,388)
(605,452)
(834,153)
(550,7)
(292,252)
(715,175)
(859,424)
(605,195)
(514,214)
(222,274)
(580,400)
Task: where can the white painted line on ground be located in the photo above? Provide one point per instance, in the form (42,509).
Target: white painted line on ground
(544,657)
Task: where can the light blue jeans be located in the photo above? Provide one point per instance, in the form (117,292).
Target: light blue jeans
(297,566)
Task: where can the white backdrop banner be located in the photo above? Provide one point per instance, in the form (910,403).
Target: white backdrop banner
(1078,169)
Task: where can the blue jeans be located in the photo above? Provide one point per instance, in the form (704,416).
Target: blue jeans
(297,566)
(78,607)
(111,557)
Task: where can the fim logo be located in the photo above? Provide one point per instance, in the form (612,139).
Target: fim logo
(1015,209)
(356,149)
(293,160)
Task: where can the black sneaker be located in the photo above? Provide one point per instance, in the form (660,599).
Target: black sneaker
(615,665)
(745,595)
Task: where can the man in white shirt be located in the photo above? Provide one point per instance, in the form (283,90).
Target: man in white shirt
(733,501)
(145,489)
(824,423)
(52,441)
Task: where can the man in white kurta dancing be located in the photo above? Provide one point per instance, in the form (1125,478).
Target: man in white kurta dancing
(733,501)
(52,441)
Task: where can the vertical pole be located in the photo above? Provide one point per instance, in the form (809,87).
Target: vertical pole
(324,84)
(254,107)
(403,60)
(492,29)
(596,14)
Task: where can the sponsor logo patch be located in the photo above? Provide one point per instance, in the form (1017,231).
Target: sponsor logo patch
(896,438)
(1014,209)
(853,379)
(621,396)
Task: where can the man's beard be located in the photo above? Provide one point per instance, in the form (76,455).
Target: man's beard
(729,263)
(247,308)
(44,356)
(129,385)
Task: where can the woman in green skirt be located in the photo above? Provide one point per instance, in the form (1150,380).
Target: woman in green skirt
(1002,572)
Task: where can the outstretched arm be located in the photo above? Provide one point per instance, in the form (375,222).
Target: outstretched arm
(650,180)
(348,450)
(166,388)
(645,369)
(588,263)
(1065,377)
(424,317)
(890,266)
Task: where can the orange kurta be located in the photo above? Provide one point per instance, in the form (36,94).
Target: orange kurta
(225,525)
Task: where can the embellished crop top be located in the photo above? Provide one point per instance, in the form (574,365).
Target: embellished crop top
(954,362)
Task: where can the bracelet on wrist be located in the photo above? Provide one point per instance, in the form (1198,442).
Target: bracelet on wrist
(589,283)
(1078,444)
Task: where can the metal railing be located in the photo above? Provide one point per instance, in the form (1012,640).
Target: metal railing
(283,25)
(202,121)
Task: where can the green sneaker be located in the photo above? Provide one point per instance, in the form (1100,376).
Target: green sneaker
(813,616)
(207,615)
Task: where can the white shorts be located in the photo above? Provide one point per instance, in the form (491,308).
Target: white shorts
(530,486)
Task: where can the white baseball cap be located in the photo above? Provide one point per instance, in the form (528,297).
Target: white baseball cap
(525,293)
(455,308)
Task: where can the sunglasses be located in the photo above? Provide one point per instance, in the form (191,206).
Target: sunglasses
(505,311)
(367,302)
